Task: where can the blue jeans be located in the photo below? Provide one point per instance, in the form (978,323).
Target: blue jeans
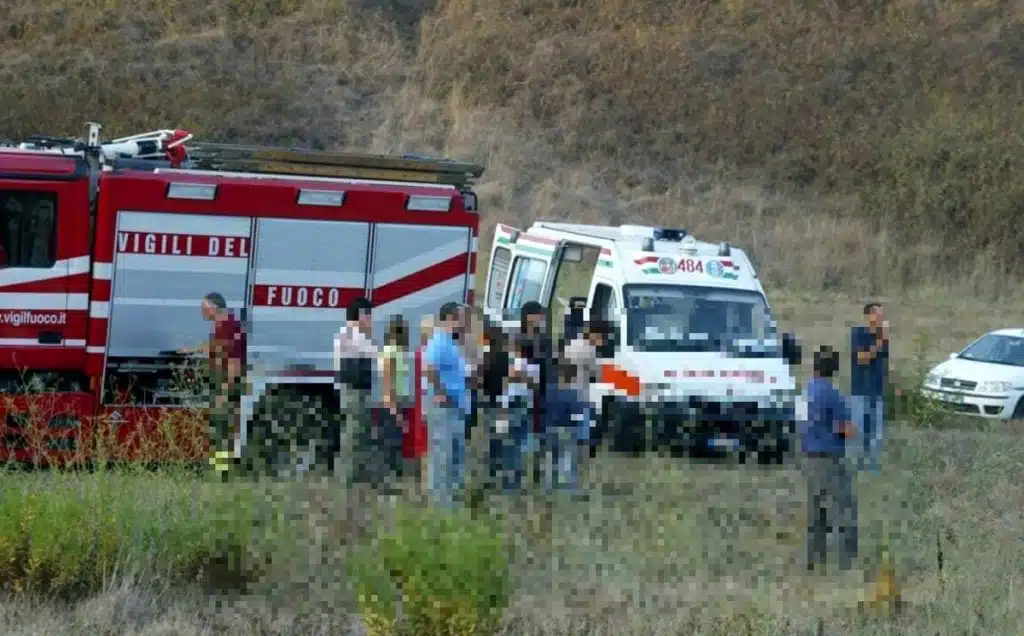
(868,414)
(446,470)
(560,455)
(584,429)
(507,448)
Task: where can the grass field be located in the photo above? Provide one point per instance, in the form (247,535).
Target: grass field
(662,547)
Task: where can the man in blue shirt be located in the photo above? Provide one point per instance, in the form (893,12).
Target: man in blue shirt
(446,409)
(869,370)
(831,503)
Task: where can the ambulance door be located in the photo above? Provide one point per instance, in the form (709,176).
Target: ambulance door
(520,271)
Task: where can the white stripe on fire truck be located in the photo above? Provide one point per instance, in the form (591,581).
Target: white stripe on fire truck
(34,342)
(96,349)
(54,301)
(198,264)
(99,309)
(310,278)
(60,269)
(420,262)
(102,271)
(170,302)
(156,222)
(474,244)
(433,297)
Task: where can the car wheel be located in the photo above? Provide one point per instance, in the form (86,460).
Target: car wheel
(1018,411)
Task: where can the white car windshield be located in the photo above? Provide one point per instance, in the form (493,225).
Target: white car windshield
(664,318)
(996,349)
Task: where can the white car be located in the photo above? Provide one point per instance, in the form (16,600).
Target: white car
(986,379)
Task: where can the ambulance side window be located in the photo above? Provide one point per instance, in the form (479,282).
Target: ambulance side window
(28,223)
(498,276)
(527,282)
(604,302)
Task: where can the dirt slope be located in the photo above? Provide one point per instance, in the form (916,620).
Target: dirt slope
(879,141)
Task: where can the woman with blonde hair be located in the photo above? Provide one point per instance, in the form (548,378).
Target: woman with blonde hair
(397,394)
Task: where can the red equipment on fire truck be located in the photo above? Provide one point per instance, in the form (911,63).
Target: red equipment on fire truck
(106,251)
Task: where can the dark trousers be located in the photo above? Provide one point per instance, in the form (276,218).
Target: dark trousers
(225,413)
(831,509)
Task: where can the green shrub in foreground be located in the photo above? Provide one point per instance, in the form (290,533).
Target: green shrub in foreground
(449,570)
(66,534)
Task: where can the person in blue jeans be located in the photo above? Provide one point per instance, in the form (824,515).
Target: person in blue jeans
(516,415)
(831,500)
(565,412)
(869,353)
(446,409)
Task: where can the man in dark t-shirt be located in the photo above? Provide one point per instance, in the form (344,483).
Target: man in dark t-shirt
(869,370)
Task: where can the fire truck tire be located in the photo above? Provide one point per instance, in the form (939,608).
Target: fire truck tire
(283,433)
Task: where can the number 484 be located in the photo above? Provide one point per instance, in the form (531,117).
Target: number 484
(691,265)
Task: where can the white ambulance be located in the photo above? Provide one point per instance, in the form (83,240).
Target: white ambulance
(696,360)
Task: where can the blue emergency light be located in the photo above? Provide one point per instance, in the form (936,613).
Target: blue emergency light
(675,235)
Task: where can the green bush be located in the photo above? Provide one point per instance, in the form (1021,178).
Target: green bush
(435,573)
(68,534)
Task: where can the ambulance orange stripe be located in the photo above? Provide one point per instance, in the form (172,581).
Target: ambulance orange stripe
(620,379)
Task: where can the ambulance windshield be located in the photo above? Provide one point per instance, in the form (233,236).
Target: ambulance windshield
(664,318)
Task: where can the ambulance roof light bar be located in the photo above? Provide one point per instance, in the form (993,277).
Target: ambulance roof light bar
(674,235)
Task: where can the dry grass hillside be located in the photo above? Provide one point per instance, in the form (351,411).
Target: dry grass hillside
(861,147)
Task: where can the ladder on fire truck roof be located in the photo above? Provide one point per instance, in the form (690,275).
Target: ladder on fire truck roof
(318,163)
(147,149)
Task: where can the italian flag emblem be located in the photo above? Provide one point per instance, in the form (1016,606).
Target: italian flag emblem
(730,269)
(649,264)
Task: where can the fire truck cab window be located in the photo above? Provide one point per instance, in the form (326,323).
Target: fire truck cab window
(27,228)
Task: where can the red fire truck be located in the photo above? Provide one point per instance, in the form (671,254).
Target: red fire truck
(107,249)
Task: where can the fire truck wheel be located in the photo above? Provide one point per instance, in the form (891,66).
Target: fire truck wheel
(285,432)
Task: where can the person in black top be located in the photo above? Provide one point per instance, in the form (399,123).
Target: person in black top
(492,387)
(533,323)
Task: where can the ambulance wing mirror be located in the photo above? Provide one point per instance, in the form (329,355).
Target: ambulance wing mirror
(791,351)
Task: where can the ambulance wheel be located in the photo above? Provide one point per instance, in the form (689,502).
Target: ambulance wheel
(628,428)
(769,444)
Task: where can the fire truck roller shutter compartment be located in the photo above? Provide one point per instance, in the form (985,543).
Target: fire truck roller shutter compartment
(164,265)
(416,269)
(306,274)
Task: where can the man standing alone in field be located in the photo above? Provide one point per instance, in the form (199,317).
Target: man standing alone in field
(869,346)
(226,349)
(831,502)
